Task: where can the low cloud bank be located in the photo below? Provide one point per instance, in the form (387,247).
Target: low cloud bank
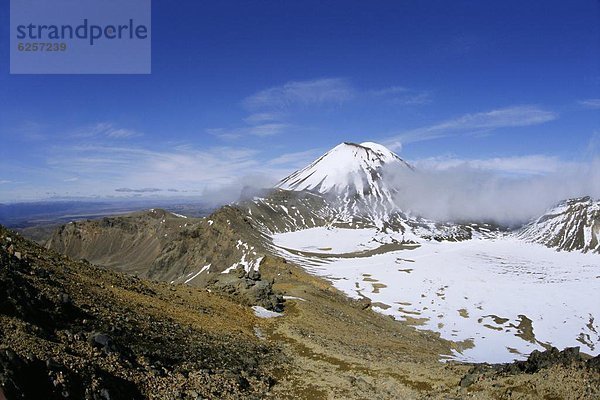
(241,189)
(466,193)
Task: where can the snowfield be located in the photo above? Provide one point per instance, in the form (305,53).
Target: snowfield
(500,298)
(326,240)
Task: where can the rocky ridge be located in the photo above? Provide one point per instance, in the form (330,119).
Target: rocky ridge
(573,225)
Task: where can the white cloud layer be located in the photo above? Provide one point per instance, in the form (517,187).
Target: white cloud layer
(297,159)
(521,165)
(403,96)
(593,104)
(217,174)
(263,117)
(311,92)
(105,129)
(508,191)
(260,130)
(508,117)
(271,108)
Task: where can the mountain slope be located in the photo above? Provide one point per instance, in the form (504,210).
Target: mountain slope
(71,330)
(572,225)
(160,245)
(129,243)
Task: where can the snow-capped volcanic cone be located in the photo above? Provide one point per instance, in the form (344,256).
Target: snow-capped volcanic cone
(347,168)
(351,174)
(572,225)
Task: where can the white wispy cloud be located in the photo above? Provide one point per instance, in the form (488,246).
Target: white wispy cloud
(593,146)
(104,169)
(271,109)
(390,90)
(523,165)
(593,104)
(134,166)
(261,130)
(403,96)
(259,118)
(296,159)
(267,129)
(516,116)
(142,190)
(310,92)
(414,99)
(105,129)
(4,181)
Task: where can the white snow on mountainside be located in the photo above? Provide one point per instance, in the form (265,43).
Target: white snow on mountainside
(500,295)
(351,175)
(347,168)
(572,225)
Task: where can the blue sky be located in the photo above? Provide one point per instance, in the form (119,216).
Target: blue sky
(244,90)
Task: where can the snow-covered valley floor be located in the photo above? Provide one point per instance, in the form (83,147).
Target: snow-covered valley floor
(501,297)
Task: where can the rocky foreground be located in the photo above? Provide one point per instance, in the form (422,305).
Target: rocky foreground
(69,329)
(72,330)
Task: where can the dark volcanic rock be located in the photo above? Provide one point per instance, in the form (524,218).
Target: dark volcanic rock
(102,341)
(364,303)
(34,379)
(476,373)
(254,275)
(594,363)
(247,288)
(20,298)
(538,360)
(468,380)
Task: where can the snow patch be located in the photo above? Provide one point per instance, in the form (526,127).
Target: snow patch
(206,267)
(179,215)
(328,240)
(293,298)
(262,312)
